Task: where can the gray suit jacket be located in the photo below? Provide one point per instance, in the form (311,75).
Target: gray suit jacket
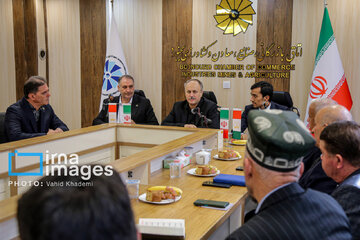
(294,213)
(348,195)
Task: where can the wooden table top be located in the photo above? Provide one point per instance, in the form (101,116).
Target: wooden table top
(200,223)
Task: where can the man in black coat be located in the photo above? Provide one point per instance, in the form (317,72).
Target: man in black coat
(261,94)
(315,177)
(195,111)
(277,143)
(340,147)
(141,110)
(32,116)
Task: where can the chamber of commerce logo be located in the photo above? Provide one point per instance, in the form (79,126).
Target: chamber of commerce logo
(113,70)
(234,17)
(318,87)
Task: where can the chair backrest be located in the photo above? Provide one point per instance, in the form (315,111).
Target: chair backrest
(284,99)
(2,128)
(139,92)
(210,95)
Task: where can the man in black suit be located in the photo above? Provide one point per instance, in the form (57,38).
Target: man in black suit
(141,110)
(195,111)
(277,142)
(315,177)
(32,116)
(340,147)
(261,94)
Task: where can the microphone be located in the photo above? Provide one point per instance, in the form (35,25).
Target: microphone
(205,120)
(195,111)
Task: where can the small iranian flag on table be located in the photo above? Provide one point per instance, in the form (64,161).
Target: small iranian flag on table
(126,116)
(224,121)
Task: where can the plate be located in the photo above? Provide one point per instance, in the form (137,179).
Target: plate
(142,198)
(224,159)
(192,172)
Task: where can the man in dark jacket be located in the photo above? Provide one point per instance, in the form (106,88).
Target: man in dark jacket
(32,116)
(277,143)
(315,176)
(261,94)
(195,111)
(141,110)
(340,147)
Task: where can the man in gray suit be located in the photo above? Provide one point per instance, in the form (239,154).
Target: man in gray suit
(340,147)
(277,142)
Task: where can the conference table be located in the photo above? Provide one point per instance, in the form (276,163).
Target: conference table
(137,152)
(200,223)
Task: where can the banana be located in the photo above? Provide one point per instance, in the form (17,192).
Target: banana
(162,188)
(241,142)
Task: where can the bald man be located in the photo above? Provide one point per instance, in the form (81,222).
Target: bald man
(315,177)
(315,106)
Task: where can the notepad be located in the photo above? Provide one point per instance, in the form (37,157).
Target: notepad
(230,179)
(162,228)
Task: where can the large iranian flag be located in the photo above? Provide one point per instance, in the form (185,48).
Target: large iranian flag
(328,79)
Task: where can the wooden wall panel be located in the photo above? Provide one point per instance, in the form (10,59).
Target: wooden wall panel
(63,24)
(275,26)
(41,37)
(25,42)
(204,33)
(177,31)
(140,28)
(93,50)
(7,56)
(345,20)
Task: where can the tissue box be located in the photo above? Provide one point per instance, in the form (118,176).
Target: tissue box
(184,160)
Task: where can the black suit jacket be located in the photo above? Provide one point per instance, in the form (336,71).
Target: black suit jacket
(20,121)
(244,115)
(348,195)
(141,111)
(181,114)
(293,213)
(314,176)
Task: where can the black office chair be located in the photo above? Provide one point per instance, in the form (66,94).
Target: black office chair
(139,92)
(285,99)
(210,95)
(2,128)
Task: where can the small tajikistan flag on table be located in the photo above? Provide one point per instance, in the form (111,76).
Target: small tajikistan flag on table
(236,123)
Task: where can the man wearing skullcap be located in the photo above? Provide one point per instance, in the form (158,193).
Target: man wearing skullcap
(277,142)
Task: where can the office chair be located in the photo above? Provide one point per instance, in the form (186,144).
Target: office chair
(139,92)
(285,99)
(210,95)
(2,128)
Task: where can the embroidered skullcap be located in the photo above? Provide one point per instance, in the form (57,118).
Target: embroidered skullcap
(278,140)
